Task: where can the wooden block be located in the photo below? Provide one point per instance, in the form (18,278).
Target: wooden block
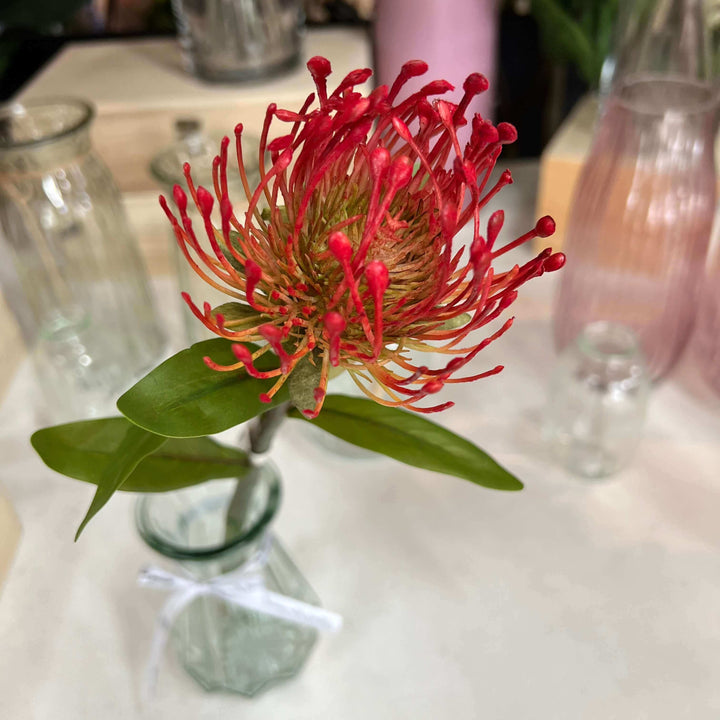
(560,166)
(139,88)
(152,231)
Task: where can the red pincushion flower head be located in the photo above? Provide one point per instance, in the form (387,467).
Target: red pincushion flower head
(350,258)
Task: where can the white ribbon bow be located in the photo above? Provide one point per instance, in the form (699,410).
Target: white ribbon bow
(244,587)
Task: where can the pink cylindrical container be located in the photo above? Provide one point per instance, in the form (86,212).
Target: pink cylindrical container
(454,38)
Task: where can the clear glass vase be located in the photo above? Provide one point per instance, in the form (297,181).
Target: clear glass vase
(597,401)
(71,268)
(642,213)
(222,645)
(232,40)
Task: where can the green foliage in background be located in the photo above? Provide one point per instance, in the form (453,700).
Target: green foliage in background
(579,32)
(712,8)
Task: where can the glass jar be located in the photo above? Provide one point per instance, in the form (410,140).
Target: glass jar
(222,645)
(75,275)
(231,40)
(597,401)
(642,212)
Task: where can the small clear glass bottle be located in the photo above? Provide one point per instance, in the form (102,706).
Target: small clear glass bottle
(597,401)
(198,148)
(72,269)
(225,646)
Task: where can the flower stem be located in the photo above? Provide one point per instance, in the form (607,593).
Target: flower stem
(263,429)
(261,433)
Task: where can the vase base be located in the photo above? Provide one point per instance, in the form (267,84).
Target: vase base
(247,686)
(233,649)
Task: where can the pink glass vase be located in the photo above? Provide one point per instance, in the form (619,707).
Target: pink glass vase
(455,39)
(707,334)
(642,214)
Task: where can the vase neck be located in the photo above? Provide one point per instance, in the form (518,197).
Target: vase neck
(42,135)
(663,37)
(191,525)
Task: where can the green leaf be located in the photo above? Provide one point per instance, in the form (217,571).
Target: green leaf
(135,443)
(82,450)
(411,439)
(565,38)
(235,242)
(183,397)
(303,380)
(236,314)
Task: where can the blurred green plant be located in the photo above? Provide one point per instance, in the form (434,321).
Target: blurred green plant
(579,32)
(712,10)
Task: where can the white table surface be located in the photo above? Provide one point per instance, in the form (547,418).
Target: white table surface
(569,600)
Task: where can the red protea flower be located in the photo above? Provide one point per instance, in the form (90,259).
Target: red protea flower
(346,250)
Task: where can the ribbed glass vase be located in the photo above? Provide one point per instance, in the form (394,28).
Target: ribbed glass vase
(642,213)
(70,266)
(641,219)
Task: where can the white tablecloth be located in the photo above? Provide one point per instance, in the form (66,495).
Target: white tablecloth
(569,600)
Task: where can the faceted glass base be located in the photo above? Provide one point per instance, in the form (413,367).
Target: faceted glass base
(222,645)
(225,647)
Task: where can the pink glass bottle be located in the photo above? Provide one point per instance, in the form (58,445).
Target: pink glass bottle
(707,334)
(640,226)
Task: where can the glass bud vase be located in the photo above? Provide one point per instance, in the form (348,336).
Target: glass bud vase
(69,264)
(222,645)
(597,401)
(642,213)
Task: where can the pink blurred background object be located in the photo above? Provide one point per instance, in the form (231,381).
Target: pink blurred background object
(643,209)
(707,337)
(641,220)
(455,39)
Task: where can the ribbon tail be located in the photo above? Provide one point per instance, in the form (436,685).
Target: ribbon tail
(172,608)
(287,608)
